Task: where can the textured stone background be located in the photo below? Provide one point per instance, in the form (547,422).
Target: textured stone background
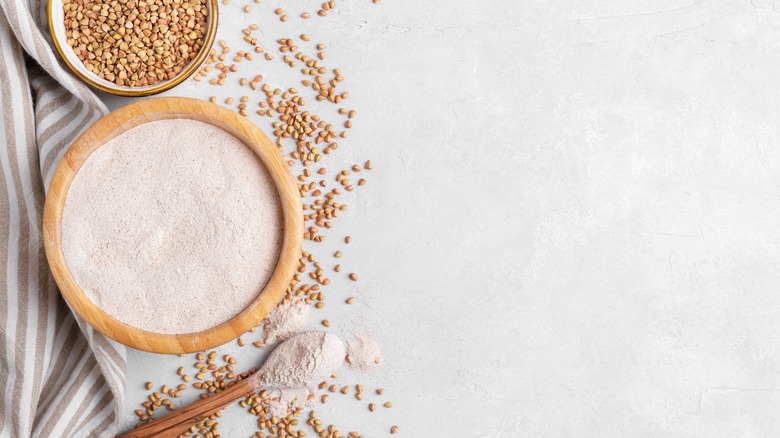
(572,228)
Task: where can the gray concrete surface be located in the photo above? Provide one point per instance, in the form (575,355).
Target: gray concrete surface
(572,229)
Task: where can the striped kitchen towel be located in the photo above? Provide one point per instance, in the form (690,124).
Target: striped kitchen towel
(58,377)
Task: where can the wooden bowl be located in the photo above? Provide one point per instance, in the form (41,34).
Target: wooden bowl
(56,16)
(129,117)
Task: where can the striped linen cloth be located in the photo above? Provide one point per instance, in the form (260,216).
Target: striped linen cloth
(58,377)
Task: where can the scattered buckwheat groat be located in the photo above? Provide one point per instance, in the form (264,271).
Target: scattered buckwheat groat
(308,114)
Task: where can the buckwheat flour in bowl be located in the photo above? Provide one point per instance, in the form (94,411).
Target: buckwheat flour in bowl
(173,226)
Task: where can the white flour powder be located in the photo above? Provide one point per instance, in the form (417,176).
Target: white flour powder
(173,226)
(286,320)
(283,401)
(364,353)
(302,361)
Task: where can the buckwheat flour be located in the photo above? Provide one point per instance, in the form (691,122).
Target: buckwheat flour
(364,353)
(173,226)
(286,320)
(302,361)
(285,400)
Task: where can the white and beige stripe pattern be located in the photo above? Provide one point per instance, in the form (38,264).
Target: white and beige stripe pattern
(58,377)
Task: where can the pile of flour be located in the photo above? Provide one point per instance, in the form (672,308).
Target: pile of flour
(285,320)
(303,360)
(297,366)
(299,374)
(173,226)
(364,353)
(284,401)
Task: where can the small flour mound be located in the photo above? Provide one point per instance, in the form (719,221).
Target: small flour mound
(364,353)
(286,320)
(285,400)
(302,361)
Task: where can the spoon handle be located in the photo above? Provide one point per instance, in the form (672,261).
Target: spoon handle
(179,421)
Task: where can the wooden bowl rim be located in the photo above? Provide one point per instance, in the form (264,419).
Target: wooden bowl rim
(127,118)
(186,72)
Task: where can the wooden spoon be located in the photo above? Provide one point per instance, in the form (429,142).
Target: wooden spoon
(301,361)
